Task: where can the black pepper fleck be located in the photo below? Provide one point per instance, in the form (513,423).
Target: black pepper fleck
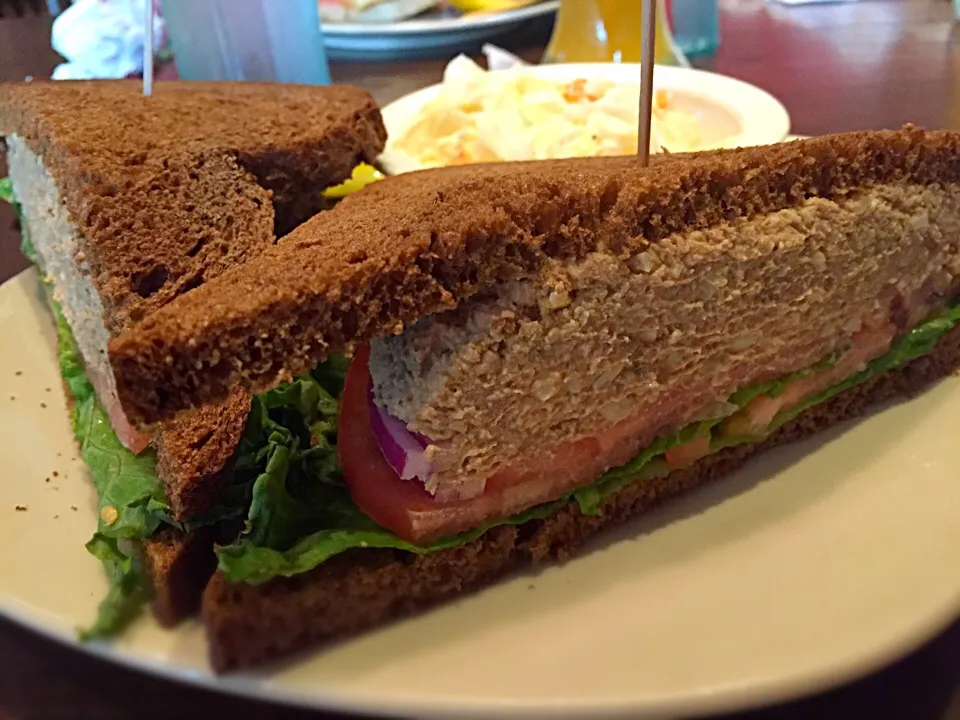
(21,508)
(43,405)
(18,373)
(56,474)
(73,507)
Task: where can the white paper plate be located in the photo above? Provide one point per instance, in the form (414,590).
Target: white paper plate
(841,559)
(436,35)
(733,113)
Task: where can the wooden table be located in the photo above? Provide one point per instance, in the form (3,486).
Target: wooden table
(867,64)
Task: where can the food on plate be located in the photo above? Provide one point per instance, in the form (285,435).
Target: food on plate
(480,116)
(541,351)
(126,203)
(478,7)
(373,11)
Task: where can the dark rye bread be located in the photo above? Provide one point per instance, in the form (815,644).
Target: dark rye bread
(249,625)
(421,243)
(169,191)
(195,453)
(177,566)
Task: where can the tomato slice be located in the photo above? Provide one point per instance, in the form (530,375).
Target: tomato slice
(687,454)
(873,340)
(131,438)
(405,508)
(402,506)
(409,511)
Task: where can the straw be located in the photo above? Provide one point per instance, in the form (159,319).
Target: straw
(648,42)
(148,49)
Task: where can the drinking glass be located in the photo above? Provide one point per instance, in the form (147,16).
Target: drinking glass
(696,26)
(257,40)
(608,31)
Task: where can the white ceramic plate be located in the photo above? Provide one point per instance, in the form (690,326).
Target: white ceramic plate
(732,113)
(841,559)
(436,34)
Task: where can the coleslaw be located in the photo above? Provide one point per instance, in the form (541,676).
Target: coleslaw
(481,116)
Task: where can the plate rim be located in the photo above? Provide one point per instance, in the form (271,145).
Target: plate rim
(743,699)
(439,25)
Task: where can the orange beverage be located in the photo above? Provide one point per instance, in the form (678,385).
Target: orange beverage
(607,31)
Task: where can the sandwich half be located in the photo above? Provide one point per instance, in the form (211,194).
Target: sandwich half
(127,202)
(541,351)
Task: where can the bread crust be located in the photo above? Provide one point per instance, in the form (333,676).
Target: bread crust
(249,625)
(195,454)
(421,243)
(178,566)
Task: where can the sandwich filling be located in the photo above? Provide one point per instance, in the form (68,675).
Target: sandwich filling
(534,391)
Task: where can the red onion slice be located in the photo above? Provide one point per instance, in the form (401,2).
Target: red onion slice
(402,449)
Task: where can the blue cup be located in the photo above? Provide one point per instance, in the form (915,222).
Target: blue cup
(696,26)
(255,40)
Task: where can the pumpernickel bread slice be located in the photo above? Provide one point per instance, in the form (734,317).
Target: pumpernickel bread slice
(195,453)
(177,566)
(248,625)
(421,243)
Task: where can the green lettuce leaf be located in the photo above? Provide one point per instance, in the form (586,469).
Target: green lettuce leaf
(6,195)
(591,498)
(130,495)
(302,515)
(126,484)
(129,588)
(6,190)
(916,343)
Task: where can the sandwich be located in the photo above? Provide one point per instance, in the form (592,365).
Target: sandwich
(477,368)
(127,202)
(455,373)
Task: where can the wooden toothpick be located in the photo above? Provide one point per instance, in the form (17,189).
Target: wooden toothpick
(647,47)
(148,49)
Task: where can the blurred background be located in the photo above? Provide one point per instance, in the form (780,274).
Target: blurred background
(835,65)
